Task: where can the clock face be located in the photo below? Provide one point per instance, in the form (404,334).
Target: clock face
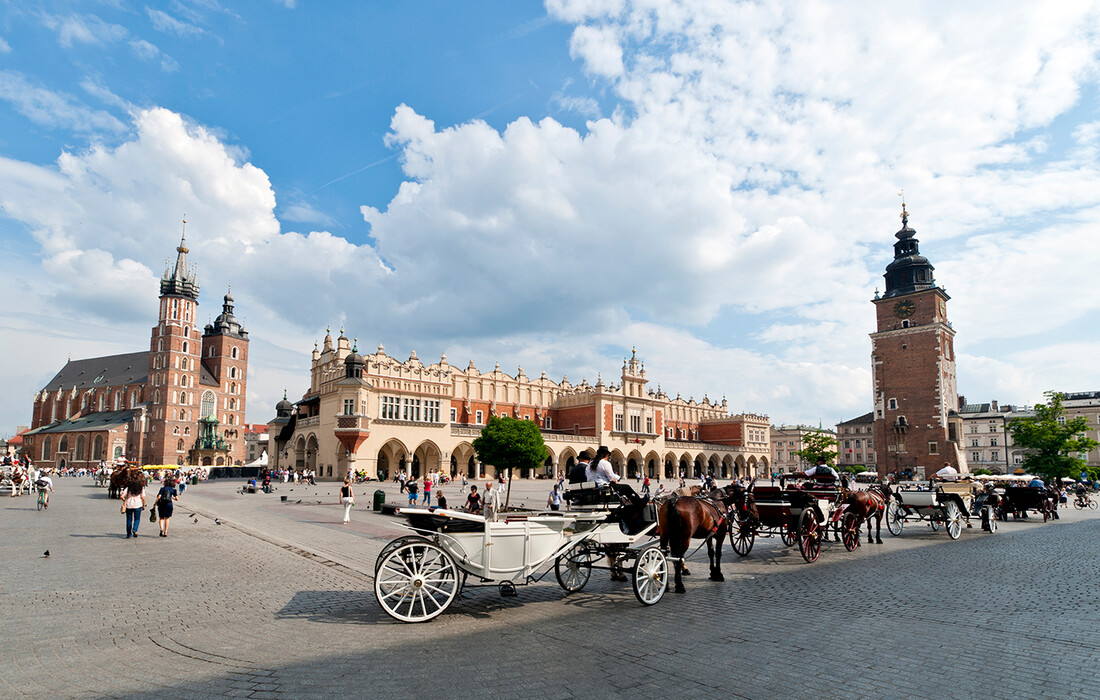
(904,308)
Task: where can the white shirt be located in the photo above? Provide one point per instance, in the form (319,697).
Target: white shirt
(601,473)
(48,480)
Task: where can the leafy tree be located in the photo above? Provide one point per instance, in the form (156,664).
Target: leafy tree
(815,446)
(852,469)
(981,472)
(510,443)
(1052,440)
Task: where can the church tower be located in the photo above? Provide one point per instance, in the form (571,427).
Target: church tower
(913,367)
(174,366)
(225,356)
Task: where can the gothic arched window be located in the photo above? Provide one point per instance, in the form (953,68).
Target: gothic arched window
(207,407)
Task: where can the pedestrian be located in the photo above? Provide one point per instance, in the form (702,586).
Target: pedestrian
(473,501)
(554,500)
(440,499)
(645,486)
(165,497)
(133,502)
(427,490)
(347,497)
(410,486)
(401,481)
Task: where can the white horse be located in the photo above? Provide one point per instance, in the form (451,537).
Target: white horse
(19,481)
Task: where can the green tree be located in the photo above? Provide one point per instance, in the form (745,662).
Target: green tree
(815,446)
(1052,440)
(510,443)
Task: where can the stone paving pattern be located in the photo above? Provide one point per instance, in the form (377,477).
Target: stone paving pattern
(277,602)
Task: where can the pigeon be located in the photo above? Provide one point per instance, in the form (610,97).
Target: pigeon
(217,522)
(298,501)
(191,516)
(46,554)
(196,520)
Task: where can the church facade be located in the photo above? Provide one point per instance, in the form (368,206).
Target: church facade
(381,415)
(181,402)
(916,425)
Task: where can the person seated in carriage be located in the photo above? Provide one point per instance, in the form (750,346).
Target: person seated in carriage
(820,475)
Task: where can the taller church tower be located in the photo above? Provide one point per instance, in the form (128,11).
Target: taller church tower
(913,367)
(174,366)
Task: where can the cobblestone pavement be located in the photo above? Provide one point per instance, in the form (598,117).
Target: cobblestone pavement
(276,602)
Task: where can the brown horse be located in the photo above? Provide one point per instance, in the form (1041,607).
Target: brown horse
(681,518)
(869,504)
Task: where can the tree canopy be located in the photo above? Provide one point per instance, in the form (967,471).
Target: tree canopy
(815,446)
(510,443)
(1052,440)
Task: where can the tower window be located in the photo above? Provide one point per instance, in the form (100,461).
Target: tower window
(233,353)
(893,404)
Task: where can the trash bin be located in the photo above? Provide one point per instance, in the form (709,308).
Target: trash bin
(379,499)
(194,481)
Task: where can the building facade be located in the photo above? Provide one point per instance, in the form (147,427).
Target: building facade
(381,415)
(787,440)
(181,402)
(1087,405)
(916,425)
(856,442)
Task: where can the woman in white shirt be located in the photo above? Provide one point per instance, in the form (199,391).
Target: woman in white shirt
(133,503)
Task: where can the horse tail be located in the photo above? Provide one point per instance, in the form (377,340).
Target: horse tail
(673,522)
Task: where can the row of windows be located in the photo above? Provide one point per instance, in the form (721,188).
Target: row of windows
(78,454)
(635,423)
(857,443)
(410,409)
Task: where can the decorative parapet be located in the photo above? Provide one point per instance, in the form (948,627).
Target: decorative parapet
(310,422)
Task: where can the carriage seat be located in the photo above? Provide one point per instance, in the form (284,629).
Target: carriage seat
(589,494)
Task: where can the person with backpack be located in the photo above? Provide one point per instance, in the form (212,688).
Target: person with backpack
(44,485)
(165,497)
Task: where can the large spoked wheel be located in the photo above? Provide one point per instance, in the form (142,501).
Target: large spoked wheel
(989,520)
(394,545)
(809,536)
(850,527)
(574,568)
(416,582)
(742,537)
(895,520)
(650,579)
(1092,504)
(789,535)
(952,520)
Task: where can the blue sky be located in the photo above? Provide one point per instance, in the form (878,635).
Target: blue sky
(550,184)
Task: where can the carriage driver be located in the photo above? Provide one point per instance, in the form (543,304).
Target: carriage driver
(821,472)
(599,469)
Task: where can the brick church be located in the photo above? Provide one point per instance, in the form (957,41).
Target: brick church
(916,422)
(180,403)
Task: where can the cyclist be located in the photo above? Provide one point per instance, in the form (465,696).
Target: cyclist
(1082,494)
(44,485)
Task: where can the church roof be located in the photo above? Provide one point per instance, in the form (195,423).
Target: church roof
(93,421)
(206,377)
(865,419)
(112,370)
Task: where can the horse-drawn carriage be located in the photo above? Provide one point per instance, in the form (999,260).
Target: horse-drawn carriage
(418,576)
(948,503)
(799,513)
(1018,500)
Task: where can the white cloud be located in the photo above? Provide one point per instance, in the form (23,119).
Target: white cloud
(84,29)
(147,51)
(598,49)
(5,47)
(54,109)
(164,22)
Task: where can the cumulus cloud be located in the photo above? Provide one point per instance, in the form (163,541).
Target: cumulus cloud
(5,47)
(164,22)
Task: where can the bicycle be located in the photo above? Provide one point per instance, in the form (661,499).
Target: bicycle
(42,502)
(1082,502)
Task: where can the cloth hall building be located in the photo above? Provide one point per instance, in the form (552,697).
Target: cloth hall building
(380,415)
(181,402)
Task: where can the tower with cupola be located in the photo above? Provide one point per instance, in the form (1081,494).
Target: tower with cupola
(913,366)
(225,356)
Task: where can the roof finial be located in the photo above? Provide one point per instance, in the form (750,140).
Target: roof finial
(904,214)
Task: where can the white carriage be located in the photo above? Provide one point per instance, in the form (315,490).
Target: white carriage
(948,504)
(418,576)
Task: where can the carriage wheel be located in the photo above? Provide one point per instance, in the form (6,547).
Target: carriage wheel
(789,534)
(850,527)
(393,546)
(574,568)
(650,575)
(934,523)
(416,582)
(809,536)
(895,520)
(989,520)
(953,521)
(742,537)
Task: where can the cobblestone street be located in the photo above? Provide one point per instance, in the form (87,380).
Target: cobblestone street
(276,601)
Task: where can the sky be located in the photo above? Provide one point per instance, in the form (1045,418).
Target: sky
(551,185)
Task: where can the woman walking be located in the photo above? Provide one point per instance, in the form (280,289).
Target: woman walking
(165,496)
(347,497)
(133,502)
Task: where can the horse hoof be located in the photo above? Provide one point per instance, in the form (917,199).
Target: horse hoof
(878,541)
(717,577)
(680,589)
(685,572)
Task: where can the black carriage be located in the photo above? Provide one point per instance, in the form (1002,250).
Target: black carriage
(1018,500)
(797,514)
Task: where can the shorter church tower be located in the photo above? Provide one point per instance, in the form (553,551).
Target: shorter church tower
(225,356)
(913,367)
